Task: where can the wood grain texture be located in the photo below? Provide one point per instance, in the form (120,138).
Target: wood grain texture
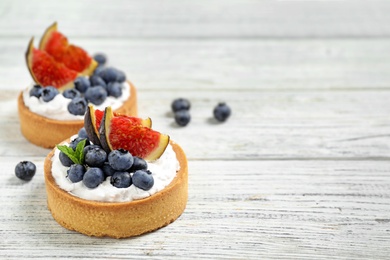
(300,170)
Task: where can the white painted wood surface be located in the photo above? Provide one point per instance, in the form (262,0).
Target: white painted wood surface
(300,171)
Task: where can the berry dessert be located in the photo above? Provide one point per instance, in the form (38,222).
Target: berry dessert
(117,178)
(65,81)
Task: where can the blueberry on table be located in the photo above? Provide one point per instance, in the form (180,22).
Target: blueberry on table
(222,112)
(78,106)
(100,58)
(120,160)
(82,84)
(180,104)
(93,177)
(49,93)
(36,91)
(96,95)
(182,117)
(25,170)
(143,180)
(121,179)
(95,157)
(76,173)
(71,93)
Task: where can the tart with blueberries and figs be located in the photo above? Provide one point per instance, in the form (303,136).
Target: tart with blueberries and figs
(117,177)
(66,79)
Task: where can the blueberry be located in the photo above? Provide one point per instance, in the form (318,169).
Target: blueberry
(25,170)
(138,164)
(108,170)
(96,95)
(121,179)
(78,106)
(82,133)
(65,160)
(90,147)
(48,93)
(100,58)
(121,76)
(97,81)
(182,117)
(141,179)
(108,74)
(76,173)
(95,157)
(36,91)
(73,144)
(180,104)
(221,112)
(114,89)
(93,177)
(71,93)
(98,70)
(120,160)
(82,84)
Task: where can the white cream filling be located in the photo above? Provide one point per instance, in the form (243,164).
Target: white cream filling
(58,107)
(163,171)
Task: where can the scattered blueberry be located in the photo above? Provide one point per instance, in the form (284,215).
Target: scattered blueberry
(100,58)
(71,93)
(182,117)
(48,93)
(36,91)
(82,84)
(120,160)
(82,133)
(25,170)
(77,106)
(138,164)
(96,95)
(97,81)
(221,112)
(114,89)
(121,179)
(65,160)
(93,177)
(141,179)
(95,157)
(180,104)
(108,170)
(76,172)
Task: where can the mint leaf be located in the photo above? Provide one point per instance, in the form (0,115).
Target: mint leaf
(79,153)
(77,156)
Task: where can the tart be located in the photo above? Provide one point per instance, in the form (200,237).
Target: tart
(122,219)
(59,68)
(121,179)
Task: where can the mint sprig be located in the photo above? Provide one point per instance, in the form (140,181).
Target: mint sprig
(77,155)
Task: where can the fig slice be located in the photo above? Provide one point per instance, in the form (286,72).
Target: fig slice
(74,57)
(117,132)
(46,71)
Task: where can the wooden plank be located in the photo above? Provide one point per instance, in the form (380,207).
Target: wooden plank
(200,19)
(271,209)
(264,124)
(228,64)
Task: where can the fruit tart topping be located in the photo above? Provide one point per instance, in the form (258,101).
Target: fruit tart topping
(138,164)
(96,80)
(76,155)
(114,89)
(82,84)
(100,58)
(36,91)
(96,95)
(71,93)
(121,179)
(143,180)
(82,133)
(95,157)
(76,172)
(25,170)
(120,160)
(49,93)
(93,177)
(78,106)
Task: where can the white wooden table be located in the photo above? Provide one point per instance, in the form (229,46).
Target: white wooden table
(300,171)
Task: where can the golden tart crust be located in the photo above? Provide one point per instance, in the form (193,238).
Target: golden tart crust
(119,219)
(46,132)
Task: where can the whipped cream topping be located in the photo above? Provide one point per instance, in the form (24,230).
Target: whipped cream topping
(58,107)
(163,171)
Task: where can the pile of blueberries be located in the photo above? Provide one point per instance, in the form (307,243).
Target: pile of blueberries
(181,109)
(123,168)
(104,82)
